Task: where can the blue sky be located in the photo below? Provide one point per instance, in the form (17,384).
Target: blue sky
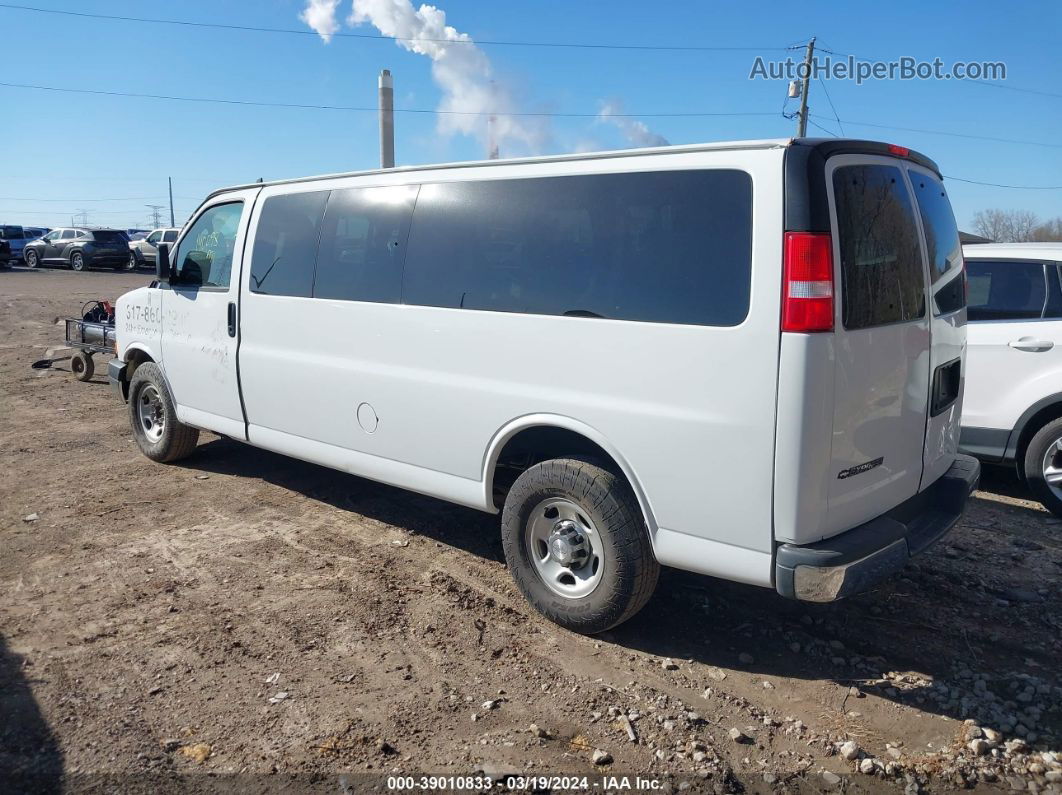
(111,155)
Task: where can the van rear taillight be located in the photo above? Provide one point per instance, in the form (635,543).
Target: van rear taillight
(807,303)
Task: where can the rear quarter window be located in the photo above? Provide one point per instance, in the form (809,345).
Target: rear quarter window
(881,259)
(1001,290)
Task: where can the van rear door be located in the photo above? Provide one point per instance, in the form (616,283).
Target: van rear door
(883,341)
(947,300)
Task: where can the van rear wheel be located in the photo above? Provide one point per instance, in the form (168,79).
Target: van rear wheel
(158,432)
(577,546)
(1043,466)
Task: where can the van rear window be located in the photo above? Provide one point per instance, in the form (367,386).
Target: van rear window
(881,262)
(942,243)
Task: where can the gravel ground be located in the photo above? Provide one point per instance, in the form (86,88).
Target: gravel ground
(243,620)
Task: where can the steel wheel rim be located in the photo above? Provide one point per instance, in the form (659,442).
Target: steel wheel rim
(1051,467)
(559,518)
(150,413)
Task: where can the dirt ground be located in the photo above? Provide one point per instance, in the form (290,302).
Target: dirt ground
(245,621)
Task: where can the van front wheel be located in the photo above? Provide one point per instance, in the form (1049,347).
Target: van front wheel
(577,546)
(158,432)
(1043,466)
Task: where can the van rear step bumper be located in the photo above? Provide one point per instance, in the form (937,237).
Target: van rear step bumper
(853,561)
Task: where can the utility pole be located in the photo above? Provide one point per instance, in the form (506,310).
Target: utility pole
(802,115)
(171,201)
(156,214)
(387,120)
(492,129)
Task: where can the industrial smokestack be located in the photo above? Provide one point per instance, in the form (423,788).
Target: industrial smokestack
(387,120)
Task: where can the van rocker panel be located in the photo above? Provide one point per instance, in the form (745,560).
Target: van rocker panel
(856,560)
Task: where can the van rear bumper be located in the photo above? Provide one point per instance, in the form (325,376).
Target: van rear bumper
(855,560)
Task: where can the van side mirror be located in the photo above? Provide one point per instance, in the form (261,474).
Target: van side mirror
(162,263)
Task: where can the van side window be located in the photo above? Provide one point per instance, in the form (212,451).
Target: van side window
(666,247)
(881,259)
(943,249)
(363,244)
(1006,290)
(204,258)
(285,245)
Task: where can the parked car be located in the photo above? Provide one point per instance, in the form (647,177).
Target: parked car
(1013,409)
(144,251)
(80,247)
(16,239)
(634,356)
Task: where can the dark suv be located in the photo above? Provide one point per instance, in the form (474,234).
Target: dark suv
(79,248)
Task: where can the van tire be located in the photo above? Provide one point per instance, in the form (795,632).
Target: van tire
(1033,465)
(605,503)
(171,440)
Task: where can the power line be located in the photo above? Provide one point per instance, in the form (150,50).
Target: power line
(303,106)
(119,199)
(963,80)
(945,132)
(997,185)
(830,100)
(347,35)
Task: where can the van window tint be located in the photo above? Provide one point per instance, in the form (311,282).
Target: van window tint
(669,247)
(942,242)
(204,257)
(881,260)
(285,245)
(170,236)
(363,243)
(1005,290)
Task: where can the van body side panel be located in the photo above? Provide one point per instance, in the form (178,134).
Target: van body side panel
(394,388)
(807,363)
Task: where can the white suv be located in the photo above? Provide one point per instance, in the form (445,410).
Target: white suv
(1013,406)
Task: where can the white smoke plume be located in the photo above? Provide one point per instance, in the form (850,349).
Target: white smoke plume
(636,132)
(463,72)
(321,16)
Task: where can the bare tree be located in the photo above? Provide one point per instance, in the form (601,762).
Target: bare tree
(1049,231)
(1006,226)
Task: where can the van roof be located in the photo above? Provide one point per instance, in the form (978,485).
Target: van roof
(826,146)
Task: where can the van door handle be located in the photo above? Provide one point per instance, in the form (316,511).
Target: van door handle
(1031,344)
(232,319)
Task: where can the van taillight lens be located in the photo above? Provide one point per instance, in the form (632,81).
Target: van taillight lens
(807,303)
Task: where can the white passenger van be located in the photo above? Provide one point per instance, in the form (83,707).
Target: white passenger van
(740,359)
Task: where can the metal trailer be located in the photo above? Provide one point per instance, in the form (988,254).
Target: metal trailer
(93,333)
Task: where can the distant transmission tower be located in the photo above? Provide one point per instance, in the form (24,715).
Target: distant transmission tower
(82,217)
(156,214)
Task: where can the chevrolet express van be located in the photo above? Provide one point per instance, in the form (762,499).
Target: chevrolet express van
(740,359)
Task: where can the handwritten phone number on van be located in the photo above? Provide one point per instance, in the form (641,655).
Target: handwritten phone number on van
(486,783)
(134,313)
